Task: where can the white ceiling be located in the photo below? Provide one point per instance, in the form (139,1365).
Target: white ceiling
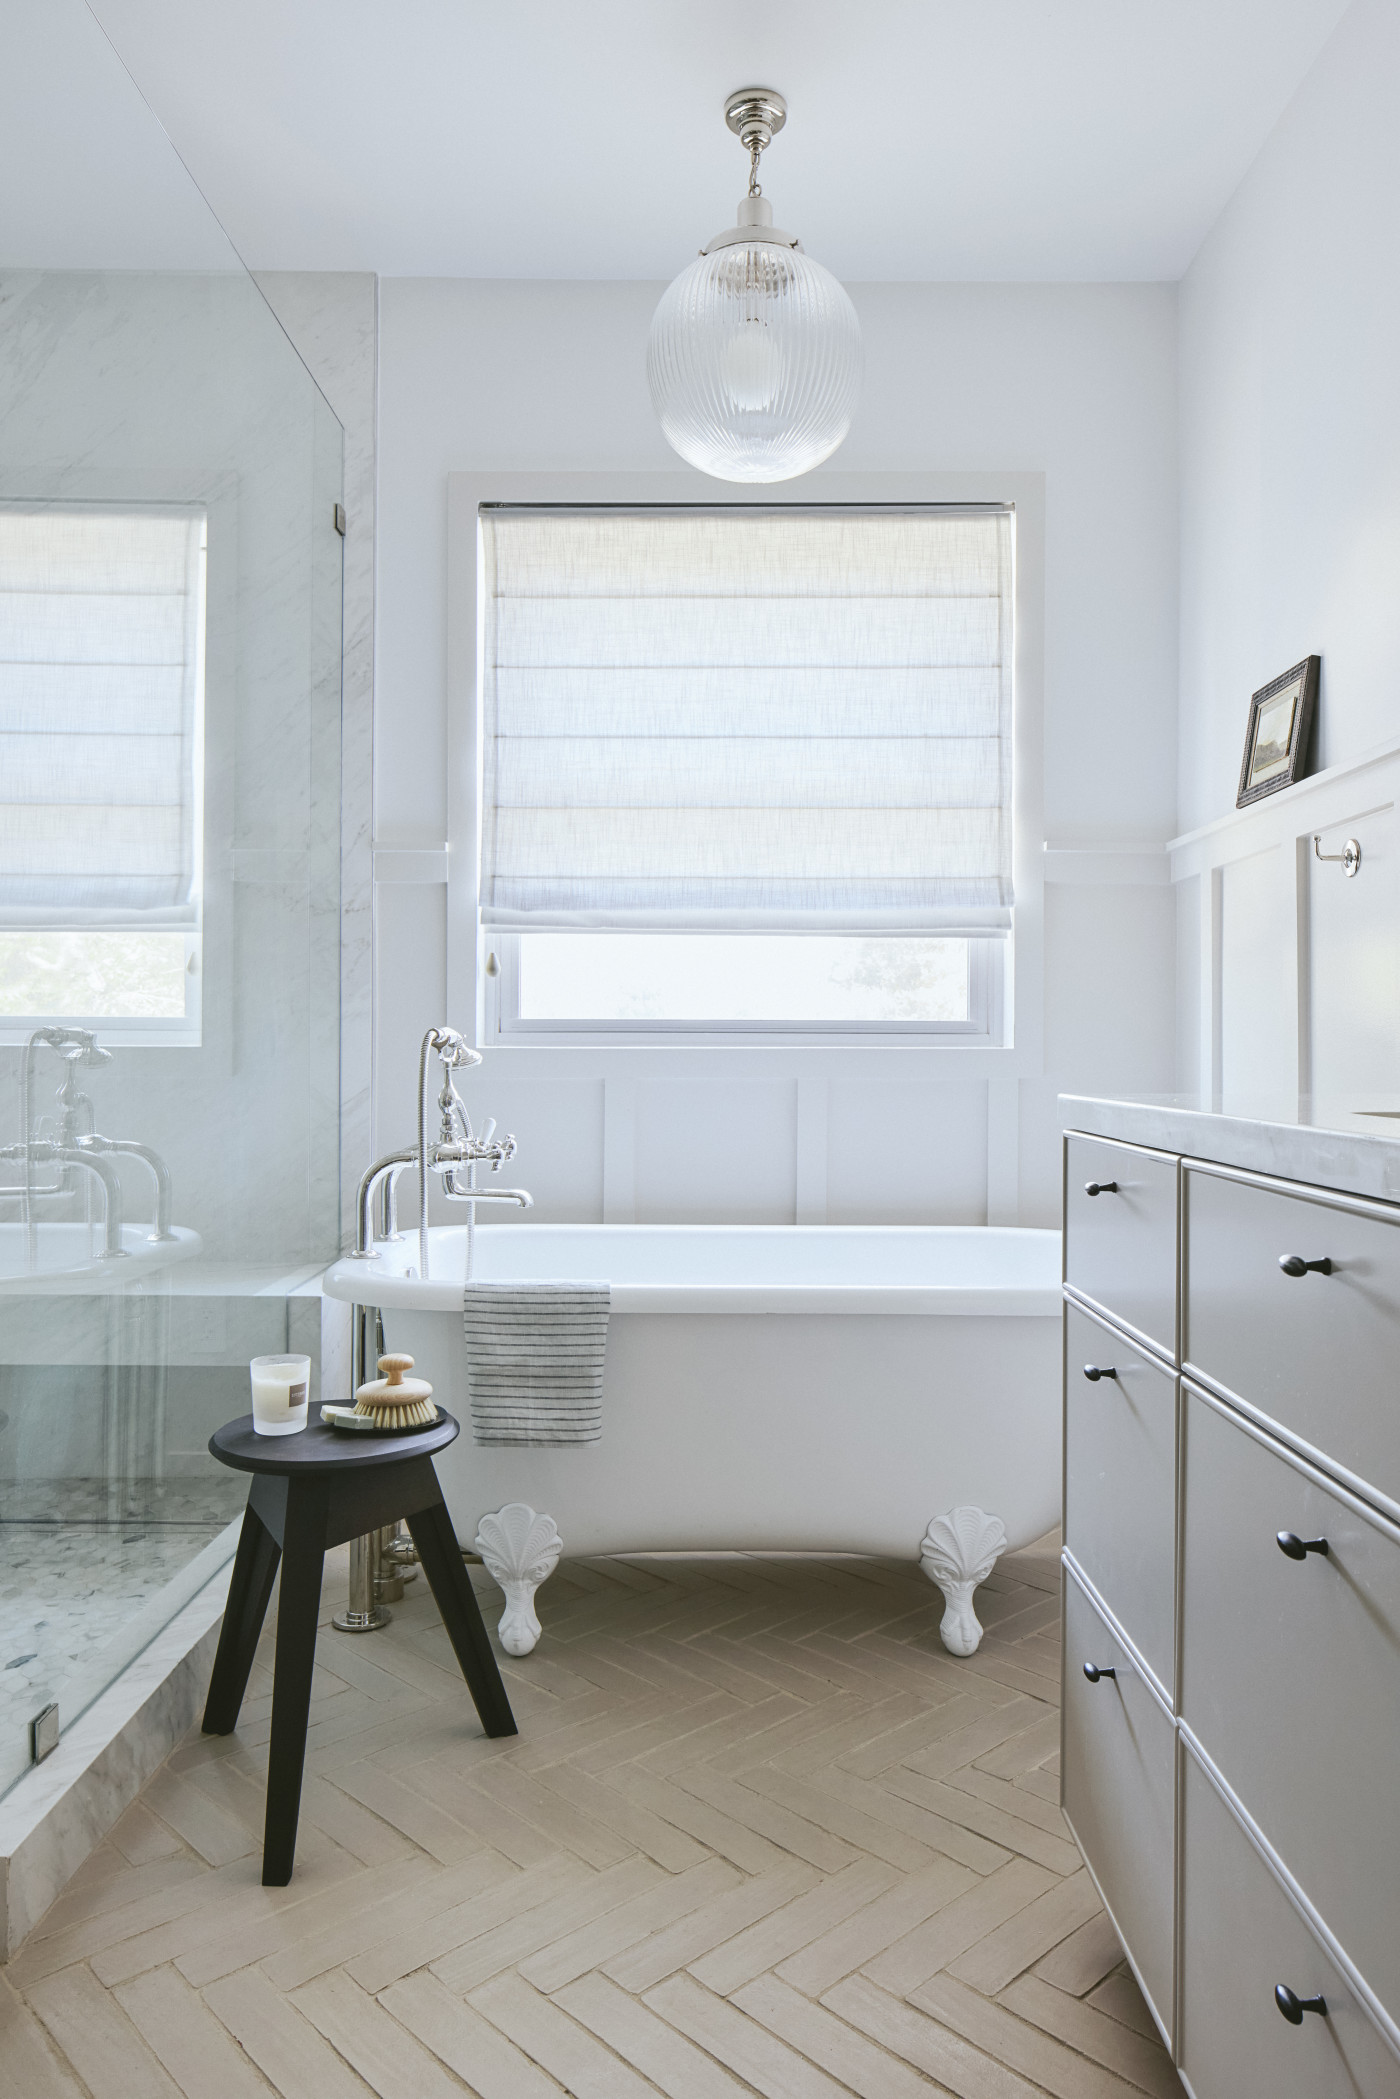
(927,139)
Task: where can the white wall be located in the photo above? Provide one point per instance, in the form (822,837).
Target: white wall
(1077,382)
(1290,545)
(1290,423)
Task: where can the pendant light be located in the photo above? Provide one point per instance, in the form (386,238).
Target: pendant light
(754,354)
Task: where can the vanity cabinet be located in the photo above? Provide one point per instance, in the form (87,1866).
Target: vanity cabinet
(1232,1582)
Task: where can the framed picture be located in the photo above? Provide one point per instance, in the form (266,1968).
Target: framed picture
(1278,746)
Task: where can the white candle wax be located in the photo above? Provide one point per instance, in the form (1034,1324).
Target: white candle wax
(280,1386)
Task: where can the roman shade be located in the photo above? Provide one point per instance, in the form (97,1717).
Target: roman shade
(101,675)
(744,716)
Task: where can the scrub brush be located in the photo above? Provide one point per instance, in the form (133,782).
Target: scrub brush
(396,1401)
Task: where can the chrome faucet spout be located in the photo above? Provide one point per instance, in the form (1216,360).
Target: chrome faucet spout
(160,1172)
(386,1169)
(106,1173)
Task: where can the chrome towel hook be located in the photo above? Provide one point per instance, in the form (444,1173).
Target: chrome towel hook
(1349,856)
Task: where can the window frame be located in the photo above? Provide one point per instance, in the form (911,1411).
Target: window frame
(503,1024)
(1012,1051)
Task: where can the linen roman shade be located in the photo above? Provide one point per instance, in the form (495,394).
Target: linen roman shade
(101,672)
(747,717)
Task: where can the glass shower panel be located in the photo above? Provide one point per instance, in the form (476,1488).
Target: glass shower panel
(170,622)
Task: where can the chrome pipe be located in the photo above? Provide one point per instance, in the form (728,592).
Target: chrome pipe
(159,1171)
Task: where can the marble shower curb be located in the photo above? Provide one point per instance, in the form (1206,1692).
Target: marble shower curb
(58,1813)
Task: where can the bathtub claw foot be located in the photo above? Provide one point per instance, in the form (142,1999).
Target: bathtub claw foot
(959,1550)
(520,1550)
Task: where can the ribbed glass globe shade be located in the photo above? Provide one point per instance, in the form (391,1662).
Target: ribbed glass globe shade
(754,363)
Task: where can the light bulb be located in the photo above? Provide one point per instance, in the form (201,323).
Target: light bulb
(752,365)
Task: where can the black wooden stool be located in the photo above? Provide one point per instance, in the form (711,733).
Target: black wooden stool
(311,1491)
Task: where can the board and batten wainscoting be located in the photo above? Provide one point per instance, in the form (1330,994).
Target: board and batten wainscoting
(1232,1580)
(1288,971)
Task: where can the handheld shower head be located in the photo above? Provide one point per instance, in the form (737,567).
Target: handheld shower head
(453,1049)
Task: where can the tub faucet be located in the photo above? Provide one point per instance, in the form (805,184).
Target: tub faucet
(453,1155)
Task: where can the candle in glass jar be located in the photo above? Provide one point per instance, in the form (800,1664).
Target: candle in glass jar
(280,1386)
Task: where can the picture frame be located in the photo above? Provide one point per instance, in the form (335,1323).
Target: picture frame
(1278,745)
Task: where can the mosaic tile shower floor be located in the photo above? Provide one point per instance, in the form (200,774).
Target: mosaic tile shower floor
(77,1559)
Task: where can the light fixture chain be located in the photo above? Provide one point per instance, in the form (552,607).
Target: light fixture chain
(755,151)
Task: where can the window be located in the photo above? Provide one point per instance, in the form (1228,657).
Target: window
(746,769)
(101,768)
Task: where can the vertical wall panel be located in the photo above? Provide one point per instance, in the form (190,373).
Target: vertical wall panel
(907,1154)
(1354,956)
(1258,976)
(710,1151)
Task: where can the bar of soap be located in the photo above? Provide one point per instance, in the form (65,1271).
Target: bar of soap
(347,1418)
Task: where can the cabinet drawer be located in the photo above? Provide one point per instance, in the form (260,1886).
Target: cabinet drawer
(1315,1354)
(1117,1791)
(1241,1937)
(1120,1482)
(1290,1674)
(1120,1245)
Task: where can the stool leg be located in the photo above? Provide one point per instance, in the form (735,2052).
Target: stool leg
(297,1608)
(441,1560)
(250,1586)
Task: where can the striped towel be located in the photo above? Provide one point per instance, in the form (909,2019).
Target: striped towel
(535,1360)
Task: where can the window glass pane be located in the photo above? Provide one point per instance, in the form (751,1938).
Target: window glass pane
(741,977)
(99,972)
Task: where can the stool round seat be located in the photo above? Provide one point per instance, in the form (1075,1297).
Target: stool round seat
(317,1448)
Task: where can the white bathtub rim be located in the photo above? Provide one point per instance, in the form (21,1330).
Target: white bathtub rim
(379,1281)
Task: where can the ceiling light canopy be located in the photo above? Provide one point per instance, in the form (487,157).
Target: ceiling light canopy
(754,355)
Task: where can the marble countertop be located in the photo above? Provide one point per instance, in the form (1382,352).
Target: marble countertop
(1351,1145)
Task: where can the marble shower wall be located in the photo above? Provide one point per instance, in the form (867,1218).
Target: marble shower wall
(133,385)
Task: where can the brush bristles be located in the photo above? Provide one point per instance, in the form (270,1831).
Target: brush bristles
(415,1413)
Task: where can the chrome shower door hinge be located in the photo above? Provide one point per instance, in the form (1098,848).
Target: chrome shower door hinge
(43,1733)
(339,519)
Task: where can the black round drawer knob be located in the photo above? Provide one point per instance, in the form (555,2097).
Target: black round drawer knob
(1293,2007)
(1095,1674)
(1296,1548)
(1101,1187)
(1294,1264)
(1094,1371)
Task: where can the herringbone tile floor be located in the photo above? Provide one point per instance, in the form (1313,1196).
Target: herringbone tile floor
(758,1834)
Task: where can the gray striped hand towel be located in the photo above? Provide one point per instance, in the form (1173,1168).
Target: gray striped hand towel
(535,1360)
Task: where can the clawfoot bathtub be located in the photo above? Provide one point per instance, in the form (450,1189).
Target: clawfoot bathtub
(889,1390)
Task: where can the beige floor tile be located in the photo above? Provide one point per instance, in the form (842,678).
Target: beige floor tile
(750,2050)
(796,1924)
(851,1944)
(1142,2061)
(822,2038)
(178,2027)
(1025,1938)
(927,2045)
(389,2059)
(964,1922)
(32,2065)
(292,2055)
(571,2054)
(1017,2043)
(1082,1960)
(97,2039)
(714,1925)
(672,2063)
(472,2048)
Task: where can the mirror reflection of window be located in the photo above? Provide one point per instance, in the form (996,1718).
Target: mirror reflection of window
(101,767)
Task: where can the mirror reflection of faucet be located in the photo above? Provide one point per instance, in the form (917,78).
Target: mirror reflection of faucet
(72,1144)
